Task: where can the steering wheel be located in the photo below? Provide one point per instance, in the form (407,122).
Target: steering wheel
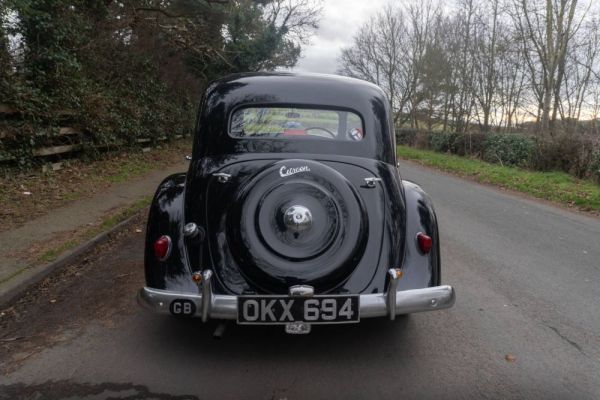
(333,135)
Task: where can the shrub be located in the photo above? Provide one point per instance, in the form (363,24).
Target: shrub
(443,142)
(552,154)
(469,144)
(594,166)
(584,154)
(406,136)
(509,149)
(462,144)
(571,154)
(422,140)
(478,144)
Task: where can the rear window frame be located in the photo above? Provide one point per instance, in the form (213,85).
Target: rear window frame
(297,106)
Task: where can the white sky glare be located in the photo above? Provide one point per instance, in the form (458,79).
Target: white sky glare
(340,21)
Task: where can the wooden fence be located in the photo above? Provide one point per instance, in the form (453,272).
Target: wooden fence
(66,142)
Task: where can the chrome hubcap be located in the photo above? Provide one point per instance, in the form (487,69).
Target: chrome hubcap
(297,218)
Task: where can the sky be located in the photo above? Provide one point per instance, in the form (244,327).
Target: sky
(340,20)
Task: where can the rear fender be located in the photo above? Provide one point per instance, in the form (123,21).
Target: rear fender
(166,218)
(419,270)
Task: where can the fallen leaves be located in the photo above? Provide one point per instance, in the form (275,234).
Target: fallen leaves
(510,358)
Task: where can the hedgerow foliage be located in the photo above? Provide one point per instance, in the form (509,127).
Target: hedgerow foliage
(577,155)
(127,70)
(509,149)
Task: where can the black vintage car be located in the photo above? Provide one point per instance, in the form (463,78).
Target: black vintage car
(293,211)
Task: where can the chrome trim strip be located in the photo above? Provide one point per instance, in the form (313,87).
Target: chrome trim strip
(391,295)
(371,305)
(301,291)
(222,177)
(370,182)
(206,294)
(190,230)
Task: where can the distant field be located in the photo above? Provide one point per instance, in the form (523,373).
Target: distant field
(554,186)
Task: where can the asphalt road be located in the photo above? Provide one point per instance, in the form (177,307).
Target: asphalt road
(526,323)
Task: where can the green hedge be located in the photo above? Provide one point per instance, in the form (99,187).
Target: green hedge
(509,149)
(576,155)
(444,142)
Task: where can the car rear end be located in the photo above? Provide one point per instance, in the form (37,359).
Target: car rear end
(293,230)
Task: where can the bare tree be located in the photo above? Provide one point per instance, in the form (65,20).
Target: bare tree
(547,29)
(379,55)
(511,82)
(486,51)
(376,56)
(579,70)
(298,18)
(495,63)
(465,66)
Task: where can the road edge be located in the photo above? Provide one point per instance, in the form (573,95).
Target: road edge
(516,193)
(36,274)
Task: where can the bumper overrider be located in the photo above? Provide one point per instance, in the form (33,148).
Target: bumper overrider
(205,304)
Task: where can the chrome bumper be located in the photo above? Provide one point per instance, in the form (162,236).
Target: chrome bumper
(371,305)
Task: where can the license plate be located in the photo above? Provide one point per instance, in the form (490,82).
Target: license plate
(285,309)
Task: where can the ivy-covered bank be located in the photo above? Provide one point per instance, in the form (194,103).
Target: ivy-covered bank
(83,76)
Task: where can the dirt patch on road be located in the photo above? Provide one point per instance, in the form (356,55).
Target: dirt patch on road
(97,288)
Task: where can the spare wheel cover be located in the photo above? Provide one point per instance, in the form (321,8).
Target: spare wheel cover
(298,222)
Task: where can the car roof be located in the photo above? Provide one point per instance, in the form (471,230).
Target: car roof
(300,79)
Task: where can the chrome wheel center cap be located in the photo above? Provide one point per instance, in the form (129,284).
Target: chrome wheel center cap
(297,218)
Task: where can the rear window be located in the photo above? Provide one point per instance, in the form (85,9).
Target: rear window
(295,123)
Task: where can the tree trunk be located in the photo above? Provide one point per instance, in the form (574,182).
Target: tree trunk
(550,66)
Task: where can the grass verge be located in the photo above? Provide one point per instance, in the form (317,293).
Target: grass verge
(26,195)
(554,186)
(106,224)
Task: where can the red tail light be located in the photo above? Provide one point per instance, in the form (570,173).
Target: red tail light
(425,242)
(162,248)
